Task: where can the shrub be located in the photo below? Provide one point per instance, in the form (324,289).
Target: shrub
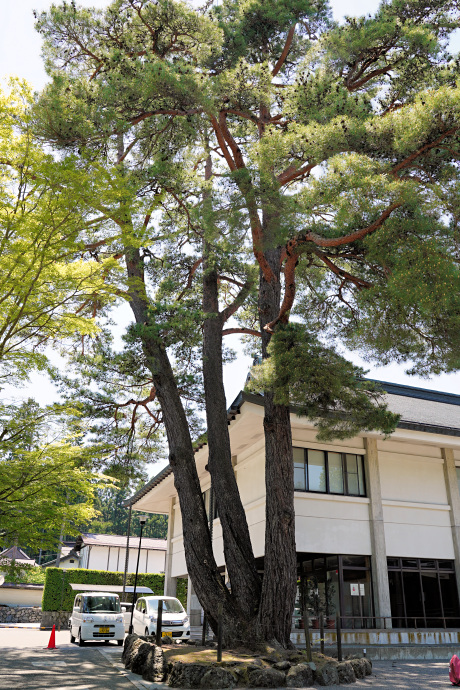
(59,596)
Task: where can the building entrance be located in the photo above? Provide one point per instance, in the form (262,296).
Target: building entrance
(423,593)
(331,585)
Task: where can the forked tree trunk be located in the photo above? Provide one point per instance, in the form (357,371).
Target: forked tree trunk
(280,563)
(238,553)
(201,565)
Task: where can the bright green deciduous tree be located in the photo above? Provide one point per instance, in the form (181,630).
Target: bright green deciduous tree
(47,484)
(47,291)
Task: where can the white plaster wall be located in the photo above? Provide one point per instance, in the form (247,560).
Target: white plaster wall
(414,497)
(151,561)
(408,477)
(178,565)
(20,597)
(415,531)
(332,524)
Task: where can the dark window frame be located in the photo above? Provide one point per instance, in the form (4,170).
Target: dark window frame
(346,492)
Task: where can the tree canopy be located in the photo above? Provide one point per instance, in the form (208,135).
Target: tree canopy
(211,144)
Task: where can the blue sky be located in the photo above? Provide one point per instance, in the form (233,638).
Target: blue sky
(20,55)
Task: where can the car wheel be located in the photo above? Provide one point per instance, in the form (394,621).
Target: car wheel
(81,642)
(120,642)
(72,638)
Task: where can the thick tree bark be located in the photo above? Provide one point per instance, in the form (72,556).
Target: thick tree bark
(201,566)
(239,556)
(280,564)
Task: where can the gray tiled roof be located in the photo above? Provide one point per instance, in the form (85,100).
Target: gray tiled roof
(420,409)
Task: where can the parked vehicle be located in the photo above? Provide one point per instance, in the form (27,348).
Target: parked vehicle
(127,607)
(175,621)
(97,616)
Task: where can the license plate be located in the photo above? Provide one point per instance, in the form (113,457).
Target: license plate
(165,634)
(104,630)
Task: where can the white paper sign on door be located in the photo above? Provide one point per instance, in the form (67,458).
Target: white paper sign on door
(354,590)
(361,589)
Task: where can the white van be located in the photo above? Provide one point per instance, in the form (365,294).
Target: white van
(97,616)
(174,619)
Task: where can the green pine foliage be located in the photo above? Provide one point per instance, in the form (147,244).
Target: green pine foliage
(321,385)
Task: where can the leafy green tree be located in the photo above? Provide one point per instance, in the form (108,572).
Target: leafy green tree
(47,291)
(47,484)
(113,517)
(330,153)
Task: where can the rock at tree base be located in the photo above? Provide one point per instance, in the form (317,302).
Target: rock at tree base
(217,677)
(346,673)
(326,674)
(367,663)
(266,678)
(186,675)
(361,667)
(282,665)
(155,666)
(299,676)
(139,658)
(132,644)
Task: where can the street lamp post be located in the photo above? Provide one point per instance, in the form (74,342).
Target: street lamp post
(142,521)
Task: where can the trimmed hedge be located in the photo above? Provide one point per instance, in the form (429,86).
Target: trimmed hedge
(57,585)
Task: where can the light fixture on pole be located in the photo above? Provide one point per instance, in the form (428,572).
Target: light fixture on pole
(142,520)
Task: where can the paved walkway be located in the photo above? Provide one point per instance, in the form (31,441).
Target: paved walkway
(24,663)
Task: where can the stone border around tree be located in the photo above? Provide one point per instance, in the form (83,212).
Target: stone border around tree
(142,656)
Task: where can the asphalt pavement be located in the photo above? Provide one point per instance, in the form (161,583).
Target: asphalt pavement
(26,663)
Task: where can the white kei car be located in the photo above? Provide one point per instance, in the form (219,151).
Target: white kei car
(174,619)
(97,616)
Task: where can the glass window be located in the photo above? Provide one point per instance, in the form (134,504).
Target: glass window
(299,469)
(335,473)
(409,563)
(352,474)
(101,604)
(446,565)
(207,503)
(316,470)
(331,472)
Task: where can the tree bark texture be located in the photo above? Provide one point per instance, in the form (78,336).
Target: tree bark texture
(280,563)
(239,557)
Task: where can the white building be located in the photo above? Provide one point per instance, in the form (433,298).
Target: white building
(108,552)
(377,521)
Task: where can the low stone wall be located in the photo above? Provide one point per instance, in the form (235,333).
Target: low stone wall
(20,614)
(50,618)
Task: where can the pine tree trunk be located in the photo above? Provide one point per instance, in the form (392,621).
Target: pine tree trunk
(280,563)
(238,553)
(201,566)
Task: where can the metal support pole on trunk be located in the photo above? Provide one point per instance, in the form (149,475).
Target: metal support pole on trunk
(203,632)
(306,625)
(219,634)
(159,623)
(321,632)
(127,552)
(339,637)
(142,520)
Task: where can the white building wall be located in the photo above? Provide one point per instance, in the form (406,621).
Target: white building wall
(113,559)
(414,497)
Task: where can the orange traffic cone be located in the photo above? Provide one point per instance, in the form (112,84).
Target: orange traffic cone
(52,642)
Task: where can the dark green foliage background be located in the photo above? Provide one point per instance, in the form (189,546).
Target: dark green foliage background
(56,578)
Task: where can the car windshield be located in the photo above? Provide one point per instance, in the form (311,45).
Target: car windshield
(101,604)
(169,605)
